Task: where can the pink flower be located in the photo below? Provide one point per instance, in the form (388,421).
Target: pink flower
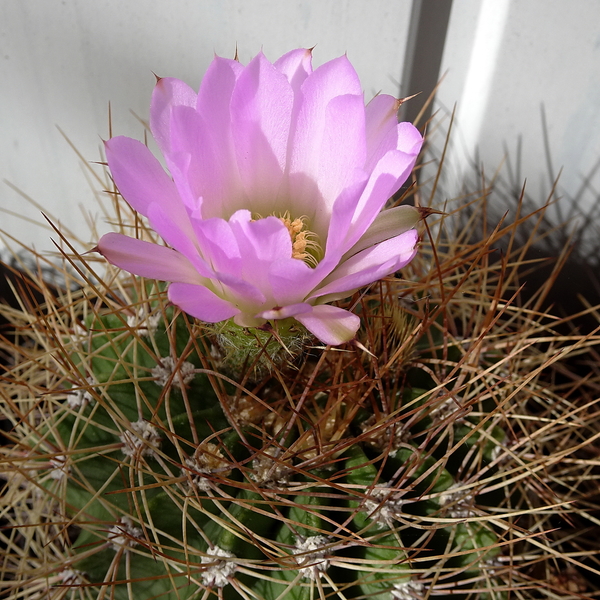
(273,205)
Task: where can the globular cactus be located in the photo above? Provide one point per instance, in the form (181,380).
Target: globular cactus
(148,464)
(314,479)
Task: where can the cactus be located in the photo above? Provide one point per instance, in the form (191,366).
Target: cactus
(153,457)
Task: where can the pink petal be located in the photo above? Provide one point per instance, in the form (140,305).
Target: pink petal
(219,245)
(178,235)
(389,174)
(284,312)
(139,176)
(244,294)
(342,214)
(333,79)
(409,138)
(146,259)
(296,66)
(199,302)
(343,146)
(214,97)
(381,127)
(370,265)
(197,165)
(291,280)
(332,325)
(168,93)
(261,107)
(388,224)
(217,176)
(260,242)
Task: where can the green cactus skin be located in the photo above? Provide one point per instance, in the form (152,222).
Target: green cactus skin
(174,502)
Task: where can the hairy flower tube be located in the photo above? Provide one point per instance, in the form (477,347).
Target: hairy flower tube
(272,207)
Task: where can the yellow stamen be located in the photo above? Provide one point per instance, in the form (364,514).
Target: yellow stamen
(305,245)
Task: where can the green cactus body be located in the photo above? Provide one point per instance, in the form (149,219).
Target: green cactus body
(175,492)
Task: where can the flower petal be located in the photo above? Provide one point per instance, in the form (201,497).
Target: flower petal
(219,245)
(332,325)
(146,259)
(284,312)
(178,235)
(138,175)
(381,123)
(296,66)
(387,224)
(389,174)
(261,107)
(291,280)
(310,126)
(343,146)
(222,192)
(261,243)
(369,265)
(200,302)
(168,93)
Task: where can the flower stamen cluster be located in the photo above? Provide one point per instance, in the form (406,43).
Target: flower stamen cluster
(305,245)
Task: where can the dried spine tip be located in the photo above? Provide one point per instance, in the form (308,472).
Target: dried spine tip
(219,571)
(124,534)
(310,556)
(143,438)
(180,373)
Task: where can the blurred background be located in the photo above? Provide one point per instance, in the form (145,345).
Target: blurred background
(522,77)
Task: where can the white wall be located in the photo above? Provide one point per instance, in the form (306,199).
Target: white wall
(507,62)
(63,61)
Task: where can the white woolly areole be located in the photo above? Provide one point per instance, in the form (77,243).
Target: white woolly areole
(269,470)
(81,398)
(145,323)
(79,335)
(218,574)
(408,590)
(207,460)
(143,438)
(310,555)
(459,502)
(383,505)
(124,534)
(179,373)
(70,576)
(60,467)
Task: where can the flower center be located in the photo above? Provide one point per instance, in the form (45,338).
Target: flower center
(305,243)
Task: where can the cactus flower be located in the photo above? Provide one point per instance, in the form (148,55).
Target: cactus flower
(272,207)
